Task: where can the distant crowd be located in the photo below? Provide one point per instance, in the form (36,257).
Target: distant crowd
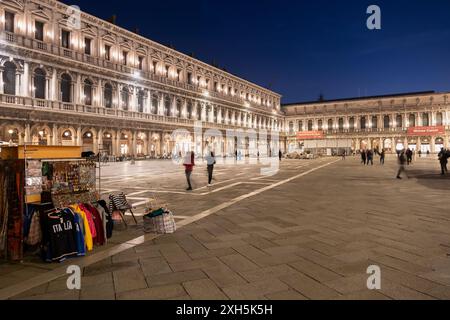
(404,158)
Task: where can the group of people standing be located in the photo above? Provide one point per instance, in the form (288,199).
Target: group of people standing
(367,156)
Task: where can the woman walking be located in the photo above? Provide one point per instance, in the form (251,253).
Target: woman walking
(189,167)
(210,161)
(382,157)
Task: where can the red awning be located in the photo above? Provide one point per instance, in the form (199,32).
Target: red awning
(310,135)
(426,131)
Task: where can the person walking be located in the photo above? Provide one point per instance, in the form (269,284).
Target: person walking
(343,155)
(420,153)
(382,157)
(409,156)
(363,157)
(280,155)
(443,160)
(189,164)
(401,164)
(210,162)
(369,157)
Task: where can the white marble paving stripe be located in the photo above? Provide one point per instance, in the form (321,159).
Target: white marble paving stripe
(9,292)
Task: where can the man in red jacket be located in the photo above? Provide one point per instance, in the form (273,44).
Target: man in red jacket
(189,167)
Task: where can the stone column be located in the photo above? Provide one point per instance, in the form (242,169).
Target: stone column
(433,144)
(54,84)
(161,105)
(184,111)
(79,138)
(95,142)
(26,81)
(27,133)
(161,143)
(133,143)
(117,143)
(204,113)
(55,137)
(1,81)
(18,77)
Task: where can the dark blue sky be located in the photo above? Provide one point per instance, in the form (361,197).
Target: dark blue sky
(302,48)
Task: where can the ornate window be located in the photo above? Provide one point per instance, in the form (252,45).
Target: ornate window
(375,122)
(387,122)
(88,92)
(167,107)
(66,88)
(155,103)
(363,123)
(125,98)
(108,95)
(341,124)
(399,121)
(141,100)
(439,119)
(412,120)
(425,120)
(189,110)
(9,78)
(39,83)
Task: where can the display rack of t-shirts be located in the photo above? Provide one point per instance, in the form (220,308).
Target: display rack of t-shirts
(71,232)
(11,208)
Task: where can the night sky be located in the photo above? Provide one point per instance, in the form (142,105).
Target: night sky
(302,48)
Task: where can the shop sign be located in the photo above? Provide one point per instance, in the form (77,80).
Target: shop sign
(426,131)
(310,135)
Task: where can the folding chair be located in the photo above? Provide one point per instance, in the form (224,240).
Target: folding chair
(119,203)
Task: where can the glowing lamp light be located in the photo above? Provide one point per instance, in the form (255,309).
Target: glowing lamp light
(89,135)
(10,131)
(41,133)
(66,134)
(126,136)
(108,136)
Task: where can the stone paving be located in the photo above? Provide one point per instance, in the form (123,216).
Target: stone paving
(290,237)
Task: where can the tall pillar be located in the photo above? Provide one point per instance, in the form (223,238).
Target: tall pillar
(433,144)
(173,109)
(161,105)
(161,144)
(55,135)
(26,81)
(79,138)
(27,133)
(18,77)
(134,144)
(117,142)
(1,82)
(53,89)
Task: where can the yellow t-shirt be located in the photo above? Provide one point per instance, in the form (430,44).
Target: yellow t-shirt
(87,232)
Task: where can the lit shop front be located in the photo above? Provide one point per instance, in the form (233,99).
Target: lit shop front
(426,139)
(316,142)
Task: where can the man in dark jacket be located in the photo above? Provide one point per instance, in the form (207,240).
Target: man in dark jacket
(401,164)
(443,160)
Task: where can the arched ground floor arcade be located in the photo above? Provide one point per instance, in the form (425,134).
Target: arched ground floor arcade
(139,142)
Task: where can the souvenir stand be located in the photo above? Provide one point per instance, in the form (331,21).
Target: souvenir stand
(57,185)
